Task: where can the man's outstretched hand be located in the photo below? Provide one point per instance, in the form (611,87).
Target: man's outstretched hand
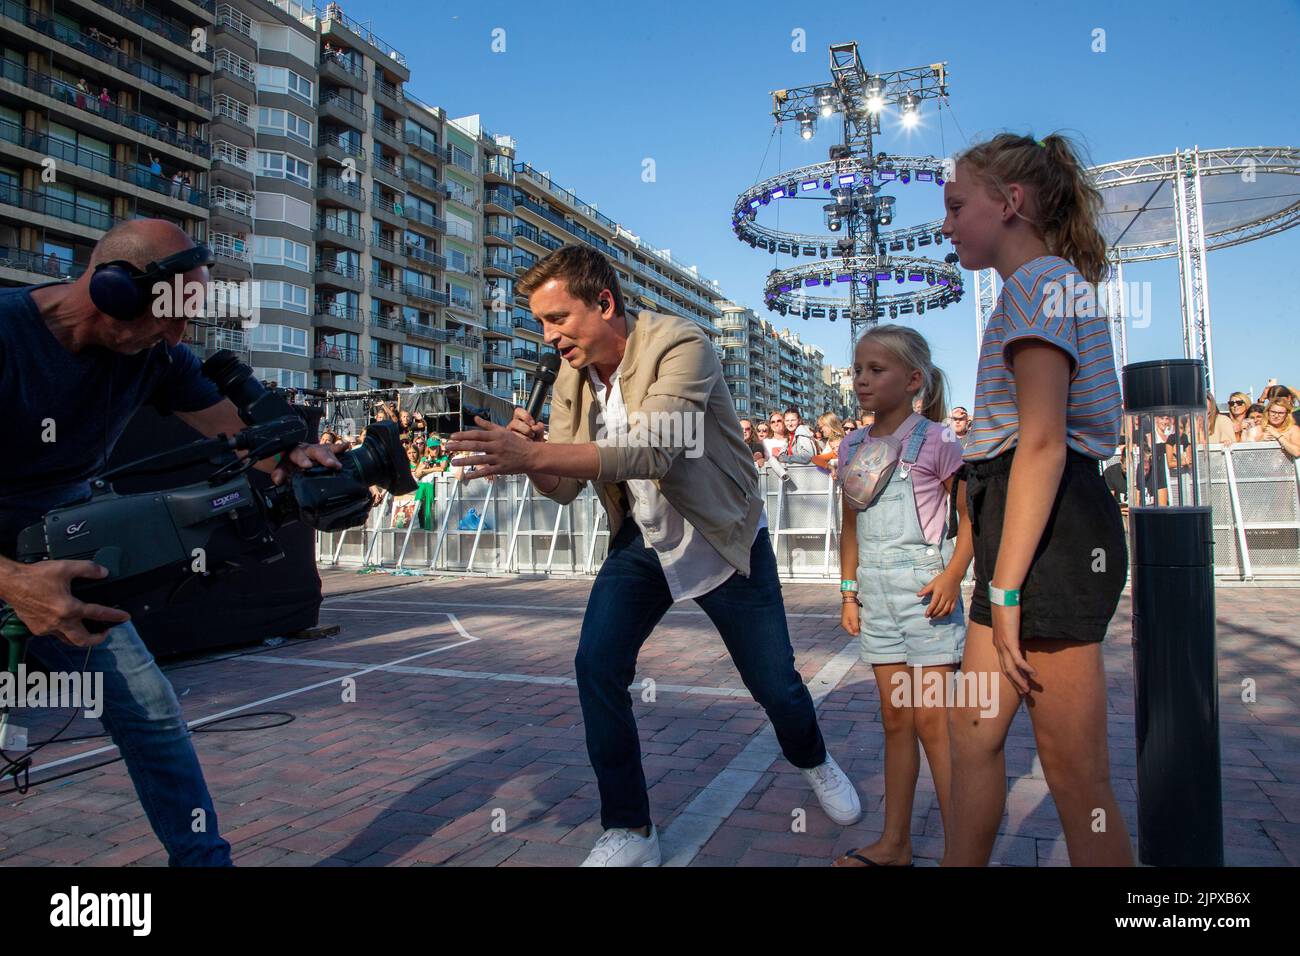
(493,449)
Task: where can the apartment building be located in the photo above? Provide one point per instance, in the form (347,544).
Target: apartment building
(770,369)
(383,237)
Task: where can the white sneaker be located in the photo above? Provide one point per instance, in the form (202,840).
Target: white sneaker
(620,847)
(835,792)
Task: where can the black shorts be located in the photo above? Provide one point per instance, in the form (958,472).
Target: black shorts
(1079,569)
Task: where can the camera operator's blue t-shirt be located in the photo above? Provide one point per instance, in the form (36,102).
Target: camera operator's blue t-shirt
(82,401)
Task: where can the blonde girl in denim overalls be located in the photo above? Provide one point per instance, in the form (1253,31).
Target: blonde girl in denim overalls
(901,574)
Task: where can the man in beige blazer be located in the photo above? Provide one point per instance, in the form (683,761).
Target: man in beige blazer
(640,408)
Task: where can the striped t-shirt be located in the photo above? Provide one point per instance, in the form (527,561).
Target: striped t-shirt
(1048,299)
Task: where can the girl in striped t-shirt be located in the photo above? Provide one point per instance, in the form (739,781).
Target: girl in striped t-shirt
(1050,557)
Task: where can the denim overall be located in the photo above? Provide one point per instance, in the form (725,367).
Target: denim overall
(894,562)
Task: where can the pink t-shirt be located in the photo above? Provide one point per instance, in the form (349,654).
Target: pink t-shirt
(938,460)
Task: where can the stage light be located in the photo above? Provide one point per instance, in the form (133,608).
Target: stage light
(847,179)
(896,245)
(938,179)
(943,280)
(753,203)
(924,240)
(881,249)
(784,287)
(875,94)
(831,314)
(826,184)
(893,311)
(833,224)
(794,251)
(807,124)
(826,280)
(920,308)
(764,199)
(929,276)
(938,238)
(886,175)
(924,176)
(824,100)
(882,275)
(847,277)
(916,275)
(906,176)
(898,275)
(911,244)
(909,105)
(807,184)
(778,193)
(824,252)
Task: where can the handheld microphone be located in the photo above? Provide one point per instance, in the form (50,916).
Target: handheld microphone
(952,258)
(542,383)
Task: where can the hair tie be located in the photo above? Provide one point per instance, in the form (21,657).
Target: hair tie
(1041,144)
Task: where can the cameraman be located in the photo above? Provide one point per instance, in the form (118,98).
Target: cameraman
(71,377)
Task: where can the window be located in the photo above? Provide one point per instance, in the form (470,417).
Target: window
(274,251)
(413,355)
(279,79)
(279,338)
(285,39)
(283,166)
(283,123)
(283,295)
(277,207)
(458,261)
(283,377)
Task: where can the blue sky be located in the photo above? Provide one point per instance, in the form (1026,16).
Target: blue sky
(591,90)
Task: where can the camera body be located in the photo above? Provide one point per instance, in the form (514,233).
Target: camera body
(155,542)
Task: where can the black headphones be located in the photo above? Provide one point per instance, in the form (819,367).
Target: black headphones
(123,291)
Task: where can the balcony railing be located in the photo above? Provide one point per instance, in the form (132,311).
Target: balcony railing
(427,219)
(425,256)
(173,30)
(387,166)
(232,109)
(528,355)
(526,322)
(379,202)
(342,144)
(346,105)
(335,310)
(501,166)
(340,353)
(420,141)
(225,152)
(66,152)
(232,19)
(226,61)
(499,262)
(385,126)
(385,283)
(44,264)
(459,159)
(499,197)
(390,90)
(226,246)
(460,300)
(56,206)
(389,246)
(67,93)
(459,230)
(388,362)
(338,185)
(426,293)
(333,12)
(235,200)
(413,175)
(341,227)
(339,267)
(343,62)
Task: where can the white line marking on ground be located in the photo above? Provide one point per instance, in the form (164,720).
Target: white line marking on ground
(682,841)
(268,700)
(538,607)
(490,675)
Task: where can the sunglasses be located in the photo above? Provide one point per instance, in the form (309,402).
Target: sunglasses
(1236,402)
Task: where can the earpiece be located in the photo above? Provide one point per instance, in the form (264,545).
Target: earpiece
(123,291)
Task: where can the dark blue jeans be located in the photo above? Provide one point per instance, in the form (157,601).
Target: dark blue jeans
(142,715)
(629,597)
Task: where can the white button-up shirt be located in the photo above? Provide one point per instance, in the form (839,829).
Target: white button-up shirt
(691,565)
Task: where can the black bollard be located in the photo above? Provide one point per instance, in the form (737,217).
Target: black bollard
(1175,677)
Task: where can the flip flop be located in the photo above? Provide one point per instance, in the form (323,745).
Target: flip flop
(866,861)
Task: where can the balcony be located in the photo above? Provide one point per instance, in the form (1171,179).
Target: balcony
(228,109)
(171,30)
(340,274)
(348,193)
(460,231)
(66,209)
(231,205)
(423,181)
(230,65)
(386,131)
(26,260)
(232,21)
(425,293)
(459,300)
(499,358)
(342,150)
(526,322)
(387,209)
(390,327)
(436,223)
(110,55)
(390,94)
(388,173)
(334,106)
(524,262)
(232,160)
(67,93)
(341,231)
(465,340)
(336,358)
(335,14)
(230,250)
(329,314)
(215,340)
(419,254)
(498,328)
(424,330)
(81,158)
(459,159)
(386,366)
(422,143)
(498,168)
(498,200)
(499,263)
(526,355)
(343,69)
(389,250)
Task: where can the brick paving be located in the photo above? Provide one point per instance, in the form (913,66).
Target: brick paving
(466,748)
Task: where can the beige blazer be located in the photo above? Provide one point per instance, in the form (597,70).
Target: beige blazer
(671,374)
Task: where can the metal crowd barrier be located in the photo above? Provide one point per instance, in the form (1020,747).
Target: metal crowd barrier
(506,527)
